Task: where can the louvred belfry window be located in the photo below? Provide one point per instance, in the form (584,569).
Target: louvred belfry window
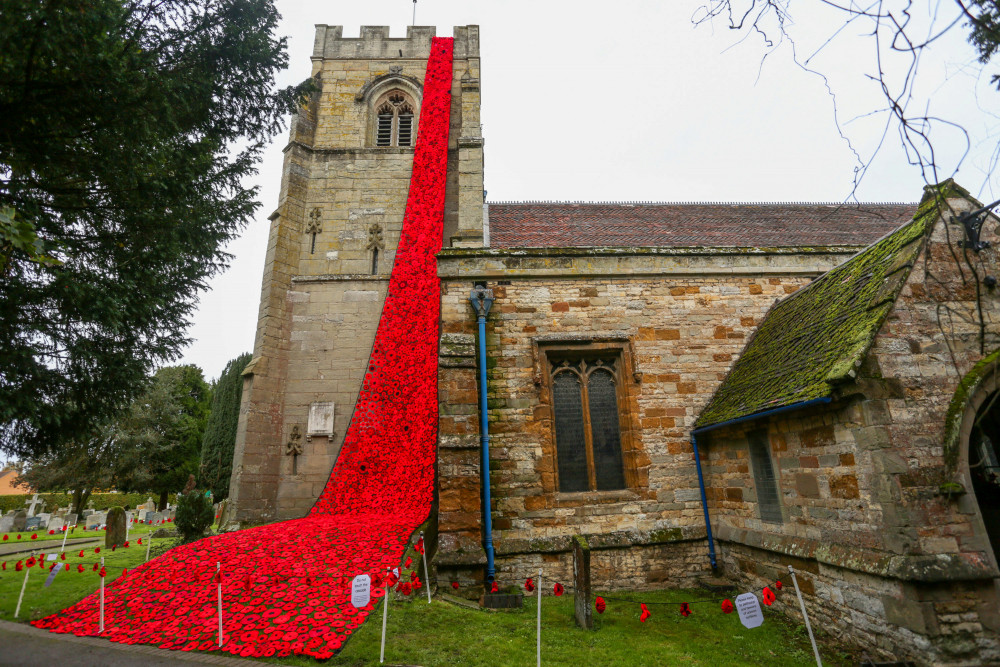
(394,120)
(587,424)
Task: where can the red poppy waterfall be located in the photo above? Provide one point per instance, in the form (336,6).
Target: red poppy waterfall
(286,586)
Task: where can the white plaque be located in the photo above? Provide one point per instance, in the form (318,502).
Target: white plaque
(361,590)
(320,419)
(749,608)
(52,574)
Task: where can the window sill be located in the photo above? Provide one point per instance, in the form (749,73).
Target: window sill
(577,498)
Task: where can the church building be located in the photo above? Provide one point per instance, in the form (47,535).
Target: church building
(696,389)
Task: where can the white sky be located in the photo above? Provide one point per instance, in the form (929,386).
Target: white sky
(628,100)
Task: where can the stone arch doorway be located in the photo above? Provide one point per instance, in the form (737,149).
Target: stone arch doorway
(984,463)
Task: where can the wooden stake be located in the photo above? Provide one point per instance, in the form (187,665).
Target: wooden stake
(539,628)
(802,605)
(385,614)
(427,576)
(21,596)
(218,571)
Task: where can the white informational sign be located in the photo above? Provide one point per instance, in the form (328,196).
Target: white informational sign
(361,590)
(749,608)
(52,556)
(52,574)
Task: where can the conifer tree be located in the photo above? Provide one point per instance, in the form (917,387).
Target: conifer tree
(220,433)
(128,129)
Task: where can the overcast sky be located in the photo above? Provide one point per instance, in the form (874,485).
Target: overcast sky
(628,100)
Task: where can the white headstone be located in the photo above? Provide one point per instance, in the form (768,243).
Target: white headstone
(44,516)
(361,590)
(95,520)
(56,524)
(34,502)
(749,608)
(7,522)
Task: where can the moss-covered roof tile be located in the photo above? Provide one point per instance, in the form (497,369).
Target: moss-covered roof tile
(816,336)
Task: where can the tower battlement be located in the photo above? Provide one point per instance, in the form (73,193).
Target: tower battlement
(376,43)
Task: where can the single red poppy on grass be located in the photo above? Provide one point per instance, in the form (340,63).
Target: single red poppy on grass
(645,613)
(685,609)
(599,604)
(727,607)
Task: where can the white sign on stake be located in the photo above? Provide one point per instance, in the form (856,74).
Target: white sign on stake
(361,590)
(749,608)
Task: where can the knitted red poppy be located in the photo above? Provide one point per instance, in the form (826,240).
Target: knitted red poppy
(777,585)
(103,573)
(409,561)
(768,596)
(645,613)
(454,585)
(19,566)
(34,536)
(557,589)
(599,604)
(529,585)
(419,546)
(727,607)
(494,588)
(685,609)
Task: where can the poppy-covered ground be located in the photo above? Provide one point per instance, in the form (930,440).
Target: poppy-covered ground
(286,586)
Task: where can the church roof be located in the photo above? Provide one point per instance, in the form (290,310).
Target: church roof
(818,335)
(646,224)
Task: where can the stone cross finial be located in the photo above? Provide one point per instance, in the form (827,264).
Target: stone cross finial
(35,501)
(376,238)
(294,445)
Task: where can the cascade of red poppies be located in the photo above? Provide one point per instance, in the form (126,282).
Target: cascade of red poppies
(286,586)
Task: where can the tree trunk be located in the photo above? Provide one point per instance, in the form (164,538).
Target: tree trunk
(80,498)
(163,501)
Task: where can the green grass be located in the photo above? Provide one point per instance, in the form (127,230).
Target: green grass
(137,530)
(68,587)
(448,634)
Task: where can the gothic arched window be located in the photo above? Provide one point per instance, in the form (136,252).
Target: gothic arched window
(587,424)
(395,120)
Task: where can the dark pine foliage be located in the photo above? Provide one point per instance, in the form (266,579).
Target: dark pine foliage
(220,433)
(128,127)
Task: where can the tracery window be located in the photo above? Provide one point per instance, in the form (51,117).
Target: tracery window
(394,120)
(585,399)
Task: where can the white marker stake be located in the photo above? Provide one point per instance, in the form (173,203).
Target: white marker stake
(65,535)
(802,605)
(385,616)
(149,543)
(427,576)
(539,648)
(218,570)
(21,596)
(100,630)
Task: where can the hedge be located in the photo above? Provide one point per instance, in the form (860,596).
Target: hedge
(102,501)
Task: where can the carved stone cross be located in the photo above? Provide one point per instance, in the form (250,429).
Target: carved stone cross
(35,501)
(293,448)
(314,227)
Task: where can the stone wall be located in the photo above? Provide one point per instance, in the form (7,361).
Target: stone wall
(878,511)
(341,199)
(678,318)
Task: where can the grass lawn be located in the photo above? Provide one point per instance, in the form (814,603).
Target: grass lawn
(137,530)
(443,633)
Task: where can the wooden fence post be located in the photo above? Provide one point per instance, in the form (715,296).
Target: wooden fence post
(581,582)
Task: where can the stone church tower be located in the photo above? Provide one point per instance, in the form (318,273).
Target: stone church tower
(331,248)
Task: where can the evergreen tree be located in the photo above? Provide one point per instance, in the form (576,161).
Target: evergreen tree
(129,127)
(220,433)
(159,438)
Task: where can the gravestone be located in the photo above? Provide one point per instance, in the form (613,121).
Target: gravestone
(34,504)
(149,505)
(116,527)
(172,514)
(32,523)
(87,512)
(95,520)
(143,513)
(7,522)
(154,517)
(62,511)
(45,516)
(70,519)
(20,518)
(56,524)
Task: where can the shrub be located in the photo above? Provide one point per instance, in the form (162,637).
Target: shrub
(194,515)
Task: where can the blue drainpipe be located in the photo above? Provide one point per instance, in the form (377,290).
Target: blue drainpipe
(482,300)
(697,459)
